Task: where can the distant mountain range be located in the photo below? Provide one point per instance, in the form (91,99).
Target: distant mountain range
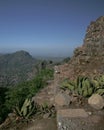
(16,67)
(21,66)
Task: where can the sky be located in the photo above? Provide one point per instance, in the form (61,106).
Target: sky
(46,27)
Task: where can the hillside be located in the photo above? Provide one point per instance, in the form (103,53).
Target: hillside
(87,64)
(16,67)
(88,59)
(72,107)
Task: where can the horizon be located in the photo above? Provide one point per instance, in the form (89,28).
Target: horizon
(52,28)
(35,56)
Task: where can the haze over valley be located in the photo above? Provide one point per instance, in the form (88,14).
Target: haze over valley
(51,64)
(47,28)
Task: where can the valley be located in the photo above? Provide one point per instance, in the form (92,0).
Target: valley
(67,94)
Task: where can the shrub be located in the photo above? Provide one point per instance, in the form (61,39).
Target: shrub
(17,95)
(26,110)
(3,109)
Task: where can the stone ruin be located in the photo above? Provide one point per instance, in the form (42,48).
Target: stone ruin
(94,39)
(89,58)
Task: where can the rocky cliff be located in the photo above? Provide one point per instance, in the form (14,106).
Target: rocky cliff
(89,58)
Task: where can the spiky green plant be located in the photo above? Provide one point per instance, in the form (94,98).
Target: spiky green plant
(82,85)
(68,84)
(47,109)
(26,110)
(98,83)
(85,87)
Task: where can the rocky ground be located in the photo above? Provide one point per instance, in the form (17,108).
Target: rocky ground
(77,115)
(41,122)
(80,117)
(88,60)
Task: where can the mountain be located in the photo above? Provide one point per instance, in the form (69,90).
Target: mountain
(16,67)
(89,58)
(0,54)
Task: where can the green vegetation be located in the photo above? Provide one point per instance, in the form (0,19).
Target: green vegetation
(46,109)
(15,98)
(16,67)
(71,85)
(85,86)
(30,108)
(3,108)
(27,109)
(99,84)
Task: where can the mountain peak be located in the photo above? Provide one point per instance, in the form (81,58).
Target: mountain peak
(22,53)
(17,66)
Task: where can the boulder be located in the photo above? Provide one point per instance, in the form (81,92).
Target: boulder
(62,99)
(96,101)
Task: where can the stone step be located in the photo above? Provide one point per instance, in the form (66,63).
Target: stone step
(68,119)
(72,113)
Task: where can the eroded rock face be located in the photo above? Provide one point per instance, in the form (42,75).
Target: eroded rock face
(96,101)
(94,38)
(88,59)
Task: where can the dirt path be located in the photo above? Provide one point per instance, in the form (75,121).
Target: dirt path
(94,120)
(46,95)
(42,124)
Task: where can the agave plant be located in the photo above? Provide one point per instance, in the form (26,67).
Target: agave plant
(85,86)
(46,109)
(98,83)
(26,110)
(82,85)
(68,84)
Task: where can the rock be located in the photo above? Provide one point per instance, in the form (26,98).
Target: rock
(89,113)
(88,59)
(12,116)
(46,115)
(56,69)
(72,113)
(96,101)
(71,119)
(62,99)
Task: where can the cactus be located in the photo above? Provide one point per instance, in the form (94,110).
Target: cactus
(95,83)
(79,85)
(98,83)
(100,91)
(82,85)
(47,109)
(68,84)
(85,87)
(26,110)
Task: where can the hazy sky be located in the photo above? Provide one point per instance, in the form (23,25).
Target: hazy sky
(46,27)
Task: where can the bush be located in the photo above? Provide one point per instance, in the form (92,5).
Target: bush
(27,109)
(16,96)
(3,109)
